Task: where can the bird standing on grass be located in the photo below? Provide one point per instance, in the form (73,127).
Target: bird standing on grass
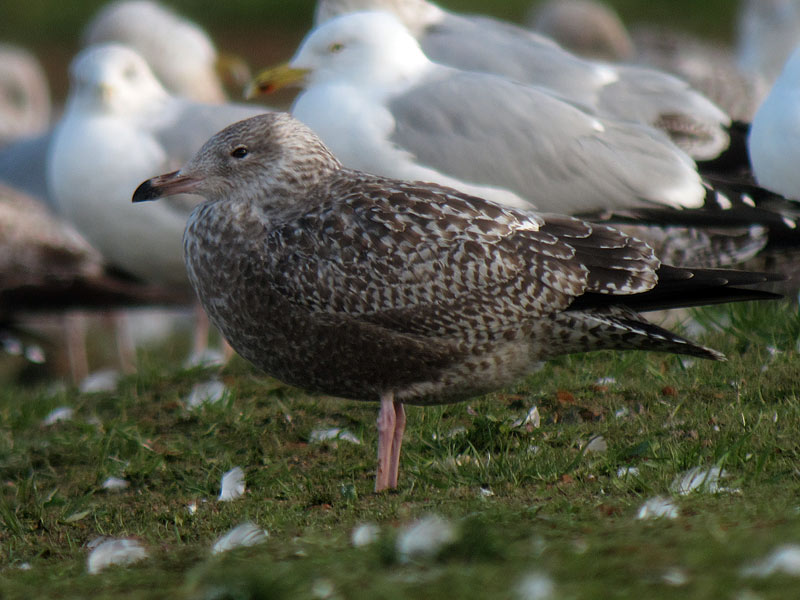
(370,288)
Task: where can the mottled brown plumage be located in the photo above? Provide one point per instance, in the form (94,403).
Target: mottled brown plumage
(365,287)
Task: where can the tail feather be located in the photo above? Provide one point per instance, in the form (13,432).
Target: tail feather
(619,328)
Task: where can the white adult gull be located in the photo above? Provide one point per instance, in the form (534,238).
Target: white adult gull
(120,126)
(377,101)
(627,92)
(25,112)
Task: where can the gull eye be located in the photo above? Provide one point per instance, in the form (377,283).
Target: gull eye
(130,73)
(335,47)
(239,152)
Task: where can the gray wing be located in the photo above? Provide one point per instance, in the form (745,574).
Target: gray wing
(631,93)
(483,44)
(487,130)
(646,95)
(23,166)
(423,260)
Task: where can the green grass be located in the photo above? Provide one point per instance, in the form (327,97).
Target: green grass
(555,509)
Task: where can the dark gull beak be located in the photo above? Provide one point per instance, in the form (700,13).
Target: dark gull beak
(166,185)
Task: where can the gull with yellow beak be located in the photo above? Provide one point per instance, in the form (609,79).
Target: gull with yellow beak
(381,106)
(629,92)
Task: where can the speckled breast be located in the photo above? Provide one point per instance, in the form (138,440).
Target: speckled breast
(334,354)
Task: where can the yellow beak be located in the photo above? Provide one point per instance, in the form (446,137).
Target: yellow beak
(105,91)
(274,79)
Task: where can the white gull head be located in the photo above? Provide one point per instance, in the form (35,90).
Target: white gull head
(113,79)
(371,48)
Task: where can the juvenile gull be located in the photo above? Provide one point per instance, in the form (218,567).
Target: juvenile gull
(382,107)
(371,288)
(477,43)
(179,52)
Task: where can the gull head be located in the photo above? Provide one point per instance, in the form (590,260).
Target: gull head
(267,159)
(113,79)
(180,53)
(369,49)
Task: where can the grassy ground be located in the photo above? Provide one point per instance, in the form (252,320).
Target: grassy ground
(556,510)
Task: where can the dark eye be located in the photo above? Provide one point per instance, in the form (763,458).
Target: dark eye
(335,47)
(130,72)
(239,152)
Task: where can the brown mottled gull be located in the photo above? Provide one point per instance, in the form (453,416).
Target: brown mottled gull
(371,288)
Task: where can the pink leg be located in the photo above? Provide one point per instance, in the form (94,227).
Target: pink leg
(386,429)
(227,351)
(397,442)
(75,333)
(126,349)
(201,328)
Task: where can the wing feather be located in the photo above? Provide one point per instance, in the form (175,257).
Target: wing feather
(420,259)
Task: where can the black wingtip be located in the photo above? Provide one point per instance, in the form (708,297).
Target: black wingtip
(146,192)
(683,287)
